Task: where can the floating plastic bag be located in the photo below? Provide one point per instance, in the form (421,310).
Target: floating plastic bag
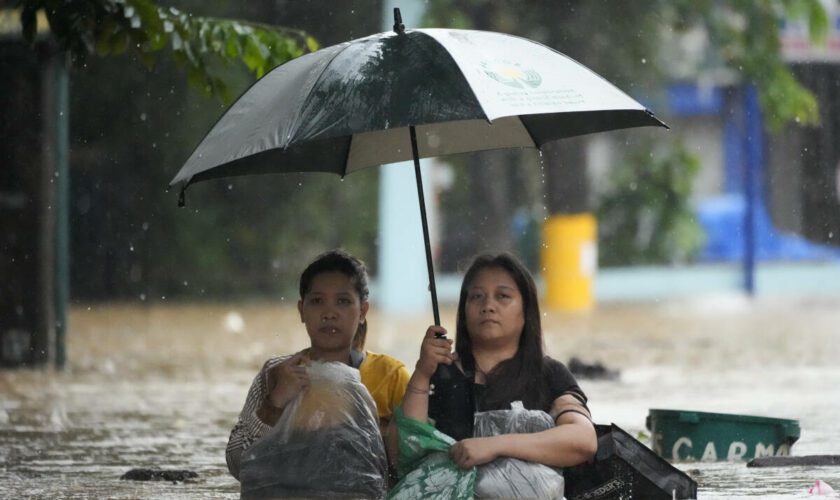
(326,444)
(425,469)
(510,477)
(821,488)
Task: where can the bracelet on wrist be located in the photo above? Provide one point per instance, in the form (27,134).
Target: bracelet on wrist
(418,390)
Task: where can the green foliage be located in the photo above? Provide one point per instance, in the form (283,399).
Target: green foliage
(112,27)
(238,237)
(745,35)
(645,217)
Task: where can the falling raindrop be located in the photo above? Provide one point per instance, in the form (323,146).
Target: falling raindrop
(142,296)
(233,322)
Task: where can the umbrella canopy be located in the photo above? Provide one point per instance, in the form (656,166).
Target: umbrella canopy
(404,95)
(349,106)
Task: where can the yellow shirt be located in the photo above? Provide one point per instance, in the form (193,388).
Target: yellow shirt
(386,379)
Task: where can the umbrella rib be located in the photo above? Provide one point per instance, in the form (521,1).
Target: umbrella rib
(528,130)
(347,156)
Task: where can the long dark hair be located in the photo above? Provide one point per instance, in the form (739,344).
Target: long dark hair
(342,262)
(520,377)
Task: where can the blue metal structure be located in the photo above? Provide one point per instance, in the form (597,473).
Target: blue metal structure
(737,223)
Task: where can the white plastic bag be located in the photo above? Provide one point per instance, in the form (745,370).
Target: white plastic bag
(511,477)
(326,443)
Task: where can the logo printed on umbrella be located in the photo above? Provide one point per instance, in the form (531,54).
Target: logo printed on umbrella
(511,74)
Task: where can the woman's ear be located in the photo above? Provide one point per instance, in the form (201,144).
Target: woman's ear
(364,307)
(300,310)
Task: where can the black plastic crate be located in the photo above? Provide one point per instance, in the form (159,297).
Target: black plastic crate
(625,468)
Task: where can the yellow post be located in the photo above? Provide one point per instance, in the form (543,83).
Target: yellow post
(569,260)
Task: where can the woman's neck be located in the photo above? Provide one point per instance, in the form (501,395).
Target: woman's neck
(342,355)
(486,359)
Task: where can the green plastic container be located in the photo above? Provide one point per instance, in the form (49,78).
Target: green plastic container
(683,435)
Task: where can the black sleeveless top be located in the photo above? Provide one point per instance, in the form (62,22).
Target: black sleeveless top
(456,396)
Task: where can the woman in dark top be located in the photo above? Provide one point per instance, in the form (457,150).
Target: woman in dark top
(499,359)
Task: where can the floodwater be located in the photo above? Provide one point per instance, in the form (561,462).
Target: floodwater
(161,385)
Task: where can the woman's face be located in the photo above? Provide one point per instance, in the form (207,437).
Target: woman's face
(332,311)
(494,309)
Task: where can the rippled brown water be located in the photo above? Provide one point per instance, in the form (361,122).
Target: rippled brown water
(162,385)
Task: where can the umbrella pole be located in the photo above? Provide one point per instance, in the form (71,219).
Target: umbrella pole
(422,199)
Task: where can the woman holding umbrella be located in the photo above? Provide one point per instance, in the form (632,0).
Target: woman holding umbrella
(498,359)
(333,305)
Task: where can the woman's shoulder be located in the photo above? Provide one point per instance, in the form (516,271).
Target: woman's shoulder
(560,379)
(557,373)
(553,365)
(382,361)
(274,361)
(383,370)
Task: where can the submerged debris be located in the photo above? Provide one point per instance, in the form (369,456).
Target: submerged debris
(157,474)
(787,461)
(591,371)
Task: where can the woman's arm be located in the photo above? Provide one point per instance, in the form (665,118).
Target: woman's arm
(571,442)
(249,427)
(277,383)
(415,403)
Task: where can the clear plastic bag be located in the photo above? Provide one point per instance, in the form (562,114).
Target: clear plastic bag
(327,443)
(511,477)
